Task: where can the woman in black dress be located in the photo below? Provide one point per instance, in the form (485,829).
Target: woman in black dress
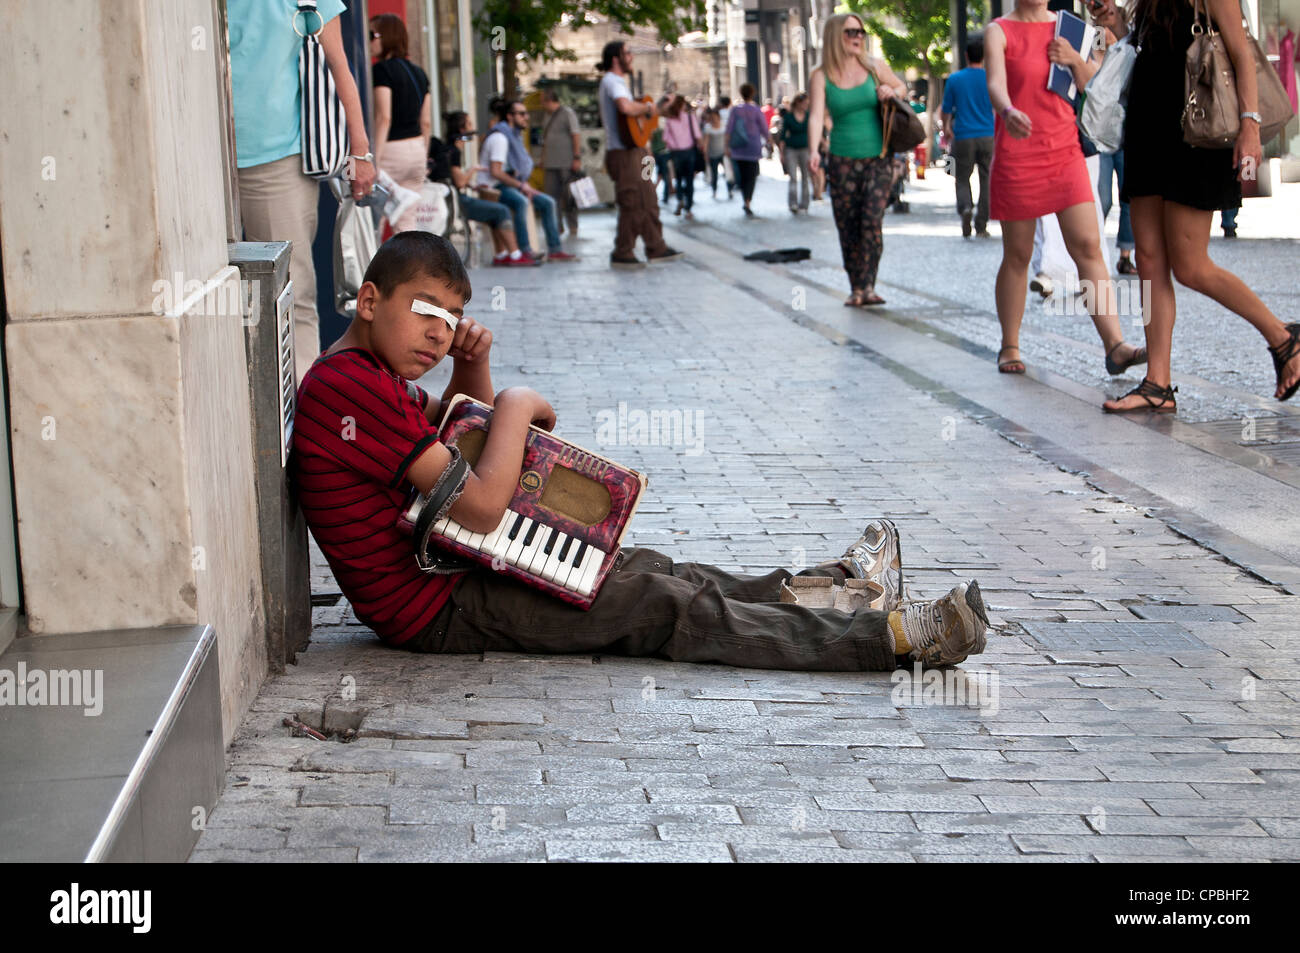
(1174,189)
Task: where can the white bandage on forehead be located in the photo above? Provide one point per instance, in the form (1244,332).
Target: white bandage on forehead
(423,307)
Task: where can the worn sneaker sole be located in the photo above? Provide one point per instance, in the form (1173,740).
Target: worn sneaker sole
(974,617)
(883,564)
(965,616)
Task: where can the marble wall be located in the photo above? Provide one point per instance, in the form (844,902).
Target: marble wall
(130,424)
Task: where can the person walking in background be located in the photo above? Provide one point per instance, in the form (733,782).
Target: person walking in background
(508,165)
(446,165)
(724,113)
(682,135)
(561,158)
(277,202)
(967,115)
(638,212)
(746,137)
(1174,189)
(849,86)
(1039,169)
(715,149)
(1114,23)
(662,155)
(1227,219)
(793,140)
(402,120)
(769,113)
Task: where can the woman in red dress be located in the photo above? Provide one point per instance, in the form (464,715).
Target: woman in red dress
(1039,169)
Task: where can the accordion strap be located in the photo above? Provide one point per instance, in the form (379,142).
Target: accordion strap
(441,499)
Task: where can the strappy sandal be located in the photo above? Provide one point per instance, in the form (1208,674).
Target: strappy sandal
(1015,366)
(1159,400)
(1283,354)
(1115,368)
(854,300)
(872,300)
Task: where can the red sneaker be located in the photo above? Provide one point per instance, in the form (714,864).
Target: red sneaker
(561,256)
(524,260)
(502,262)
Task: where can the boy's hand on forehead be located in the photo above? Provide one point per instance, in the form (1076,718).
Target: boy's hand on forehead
(471,342)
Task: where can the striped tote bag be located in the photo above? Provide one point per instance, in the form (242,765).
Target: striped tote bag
(324,126)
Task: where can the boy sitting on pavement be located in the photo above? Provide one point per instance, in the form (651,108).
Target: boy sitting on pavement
(364,435)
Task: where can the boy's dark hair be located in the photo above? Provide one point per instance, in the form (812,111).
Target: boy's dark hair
(413,254)
(724,102)
(746,91)
(975,48)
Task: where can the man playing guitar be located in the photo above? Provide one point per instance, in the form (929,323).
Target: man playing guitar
(625,161)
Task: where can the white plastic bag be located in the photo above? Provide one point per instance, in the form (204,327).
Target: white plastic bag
(1102,119)
(583,191)
(431,214)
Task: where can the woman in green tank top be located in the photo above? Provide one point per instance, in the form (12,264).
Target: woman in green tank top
(849,86)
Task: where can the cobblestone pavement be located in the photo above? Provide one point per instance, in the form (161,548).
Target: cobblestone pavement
(1139,690)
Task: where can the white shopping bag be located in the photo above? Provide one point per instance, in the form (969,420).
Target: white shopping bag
(431,214)
(583,191)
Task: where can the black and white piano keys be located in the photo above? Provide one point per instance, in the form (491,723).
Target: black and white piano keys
(532,547)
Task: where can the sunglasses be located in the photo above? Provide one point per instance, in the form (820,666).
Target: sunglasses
(423,307)
(854,33)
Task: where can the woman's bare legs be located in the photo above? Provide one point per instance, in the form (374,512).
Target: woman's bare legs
(1083,241)
(1187,239)
(1012,283)
(1159,307)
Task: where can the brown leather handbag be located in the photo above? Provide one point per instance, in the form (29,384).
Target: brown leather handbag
(901,129)
(1212,114)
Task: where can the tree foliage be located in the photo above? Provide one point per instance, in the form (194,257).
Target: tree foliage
(913,33)
(528,27)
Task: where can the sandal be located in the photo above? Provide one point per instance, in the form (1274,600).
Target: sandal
(1151,393)
(854,300)
(1014,366)
(1115,368)
(872,300)
(1283,354)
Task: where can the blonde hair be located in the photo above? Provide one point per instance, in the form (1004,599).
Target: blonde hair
(834,58)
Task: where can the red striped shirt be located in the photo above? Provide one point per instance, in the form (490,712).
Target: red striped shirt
(357,430)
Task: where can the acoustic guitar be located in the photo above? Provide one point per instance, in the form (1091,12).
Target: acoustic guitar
(637,130)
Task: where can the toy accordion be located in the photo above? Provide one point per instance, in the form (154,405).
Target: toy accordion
(562,529)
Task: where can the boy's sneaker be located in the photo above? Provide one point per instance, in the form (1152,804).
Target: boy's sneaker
(946,631)
(877,557)
(561,256)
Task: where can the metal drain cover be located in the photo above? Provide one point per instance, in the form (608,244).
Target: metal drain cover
(1188,613)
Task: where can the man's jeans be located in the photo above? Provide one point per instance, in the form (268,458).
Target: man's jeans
(543,205)
(797,169)
(971,154)
(1112,166)
(653,607)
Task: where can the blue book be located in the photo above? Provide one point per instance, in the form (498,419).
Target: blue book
(1079,35)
